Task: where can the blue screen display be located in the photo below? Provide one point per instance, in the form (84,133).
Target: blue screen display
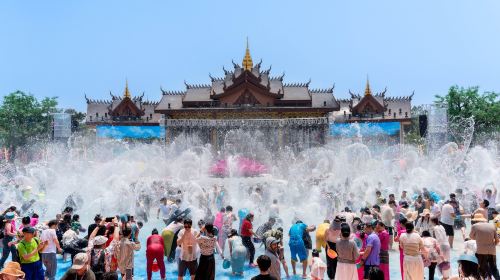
(135,132)
(364,129)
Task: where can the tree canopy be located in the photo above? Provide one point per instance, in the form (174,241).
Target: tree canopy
(468,102)
(23,117)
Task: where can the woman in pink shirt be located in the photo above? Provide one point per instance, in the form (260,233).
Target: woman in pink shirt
(384,237)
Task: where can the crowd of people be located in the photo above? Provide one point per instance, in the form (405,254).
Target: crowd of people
(349,243)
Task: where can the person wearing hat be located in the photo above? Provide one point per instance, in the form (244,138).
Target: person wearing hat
(12,271)
(423,221)
(486,240)
(468,268)
(9,232)
(80,269)
(272,252)
(29,254)
(97,252)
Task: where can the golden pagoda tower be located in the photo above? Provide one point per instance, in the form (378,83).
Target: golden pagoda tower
(126,94)
(247,60)
(368,91)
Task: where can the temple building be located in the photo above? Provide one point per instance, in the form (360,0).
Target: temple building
(247,97)
(124,116)
(376,114)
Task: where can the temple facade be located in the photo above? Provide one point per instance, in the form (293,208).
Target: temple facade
(122,110)
(249,98)
(375,110)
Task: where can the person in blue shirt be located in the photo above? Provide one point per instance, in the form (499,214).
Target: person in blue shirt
(297,246)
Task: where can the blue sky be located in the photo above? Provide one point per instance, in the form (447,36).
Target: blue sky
(68,48)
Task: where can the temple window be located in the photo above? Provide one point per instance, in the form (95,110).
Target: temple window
(344,113)
(150,116)
(400,111)
(324,103)
(106,115)
(406,114)
(389,111)
(90,118)
(168,105)
(147,118)
(394,115)
(96,115)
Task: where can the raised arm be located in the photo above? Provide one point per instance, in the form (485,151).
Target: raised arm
(96,229)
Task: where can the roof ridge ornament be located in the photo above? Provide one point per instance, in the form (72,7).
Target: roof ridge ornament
(126,94)
(247,60)
(368,91)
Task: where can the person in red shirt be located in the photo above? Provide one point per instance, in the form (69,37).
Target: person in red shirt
(154,251)
(246,236)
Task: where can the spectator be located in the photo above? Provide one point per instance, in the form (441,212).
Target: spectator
(50,251)
(486,241)
(187,243)
(154,252)
(12,271)
(371,255)
(80,269)
(29,255)
(124,253)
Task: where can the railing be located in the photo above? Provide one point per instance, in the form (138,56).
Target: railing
(245,122)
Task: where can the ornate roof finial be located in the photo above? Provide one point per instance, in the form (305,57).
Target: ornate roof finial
(368,91)
(247,60)
(126,94)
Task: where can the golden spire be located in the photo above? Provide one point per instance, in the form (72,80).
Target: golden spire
(368,91)
(247,60)
(126,94)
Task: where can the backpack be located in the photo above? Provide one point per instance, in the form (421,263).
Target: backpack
(17,257)
(99,266)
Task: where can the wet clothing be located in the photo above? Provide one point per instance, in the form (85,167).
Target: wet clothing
(238,255)
(296,243)
(154,252)
(275,269)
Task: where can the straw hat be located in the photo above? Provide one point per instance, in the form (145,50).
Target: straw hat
(12,269)
(478,218)
(411,216)
(425,212)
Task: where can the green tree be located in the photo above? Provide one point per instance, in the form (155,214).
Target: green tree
(24,118)
(468,102)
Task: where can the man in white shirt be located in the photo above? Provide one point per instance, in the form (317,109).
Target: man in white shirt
(164,208)
(448,220)
(188,256)
(50,251)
